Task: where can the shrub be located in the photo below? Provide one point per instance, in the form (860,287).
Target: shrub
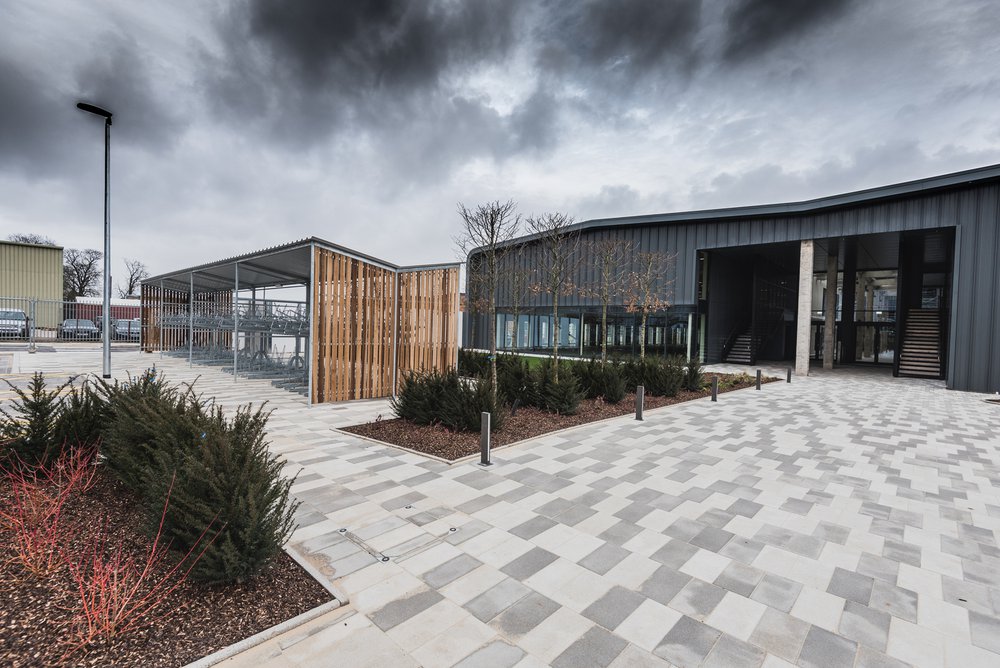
(82,416)
(473,363)
(151,425)
(516,383)
(33,517)
(30,429)
(612,384)
(233,482)
(563,396)
(694,377)
(600,380)
(446,399)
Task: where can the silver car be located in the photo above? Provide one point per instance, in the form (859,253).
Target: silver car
(128,330)
(13,324)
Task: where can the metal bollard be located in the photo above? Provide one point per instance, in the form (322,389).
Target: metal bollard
(758,379)
(484,440)
(788,379)
(640,399)
(715,388)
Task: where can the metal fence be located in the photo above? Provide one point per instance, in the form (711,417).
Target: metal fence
(40,321)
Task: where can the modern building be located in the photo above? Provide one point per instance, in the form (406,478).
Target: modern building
(314,317)
(907,275)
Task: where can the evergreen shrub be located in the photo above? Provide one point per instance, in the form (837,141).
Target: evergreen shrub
(694,376)
(230,489)
(28,432)
(447,399)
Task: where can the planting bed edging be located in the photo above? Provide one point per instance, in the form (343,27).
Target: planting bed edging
(339,599)
(264,636)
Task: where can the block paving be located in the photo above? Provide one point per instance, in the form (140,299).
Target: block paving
(846,519)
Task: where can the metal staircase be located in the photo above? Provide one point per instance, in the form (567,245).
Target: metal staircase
(920,354)
(741,351)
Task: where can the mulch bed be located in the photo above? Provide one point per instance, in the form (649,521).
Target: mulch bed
(193,621)
(527,422)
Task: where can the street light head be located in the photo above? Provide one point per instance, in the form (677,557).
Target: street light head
(94,109)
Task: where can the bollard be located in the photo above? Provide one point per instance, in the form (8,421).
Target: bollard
(640,399)
(789,378)
(484,440)
(715,388)
(758,379)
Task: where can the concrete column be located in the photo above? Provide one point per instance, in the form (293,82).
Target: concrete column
(830,306)
(805,308)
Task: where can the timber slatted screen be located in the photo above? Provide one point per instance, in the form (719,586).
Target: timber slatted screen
(428,320)
(165,317)
(352,328)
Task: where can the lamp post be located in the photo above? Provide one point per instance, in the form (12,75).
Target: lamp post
(106,314)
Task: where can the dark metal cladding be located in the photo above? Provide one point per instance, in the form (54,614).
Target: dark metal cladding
(968,202)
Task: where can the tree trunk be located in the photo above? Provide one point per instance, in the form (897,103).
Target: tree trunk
(555,336)
(493,348)
(604,332)
(642,337)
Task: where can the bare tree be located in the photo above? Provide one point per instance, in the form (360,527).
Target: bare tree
(607,257)
(559,246)
(29,238)
(486,231)
(135,273)
(648,288)
(81,272)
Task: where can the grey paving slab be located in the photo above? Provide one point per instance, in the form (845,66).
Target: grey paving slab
(398,611)
(823,649)
(496,599)
(450,570)
(611,609)
(865,626)
(524,615)
(597,647)
(529,563)
(604,558)
(730,652)
(688,643)
(780,634)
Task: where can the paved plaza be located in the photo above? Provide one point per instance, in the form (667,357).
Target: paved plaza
(845,519)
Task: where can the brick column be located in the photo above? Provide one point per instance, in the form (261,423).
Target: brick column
(805,308)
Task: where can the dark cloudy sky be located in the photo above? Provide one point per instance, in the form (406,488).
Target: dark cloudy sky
(243,124)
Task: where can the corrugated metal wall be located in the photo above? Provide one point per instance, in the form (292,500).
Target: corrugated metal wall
(974,362)
(30,271)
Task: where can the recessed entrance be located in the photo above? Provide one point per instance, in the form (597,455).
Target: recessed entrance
(891,301)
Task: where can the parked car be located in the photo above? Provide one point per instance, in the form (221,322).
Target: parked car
(13,324)
(128,329)
(77,328)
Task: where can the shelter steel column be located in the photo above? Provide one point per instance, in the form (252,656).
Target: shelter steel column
(236,319)
(830,306)
(191,322)
(804,319)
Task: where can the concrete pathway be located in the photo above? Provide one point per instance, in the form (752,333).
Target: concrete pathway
(846,519)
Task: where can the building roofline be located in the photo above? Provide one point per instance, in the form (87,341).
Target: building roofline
(880,193)
(291,246)
(22,243)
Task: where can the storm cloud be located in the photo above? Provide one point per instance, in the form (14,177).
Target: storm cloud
(241,124)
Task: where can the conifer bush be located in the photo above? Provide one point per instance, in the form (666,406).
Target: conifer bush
(28,432)
(694,377)
(151,425)
(231,486)
(447,399)
(82,416)
(563,396)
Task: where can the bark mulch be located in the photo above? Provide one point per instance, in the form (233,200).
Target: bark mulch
(195,620)
(526,422)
